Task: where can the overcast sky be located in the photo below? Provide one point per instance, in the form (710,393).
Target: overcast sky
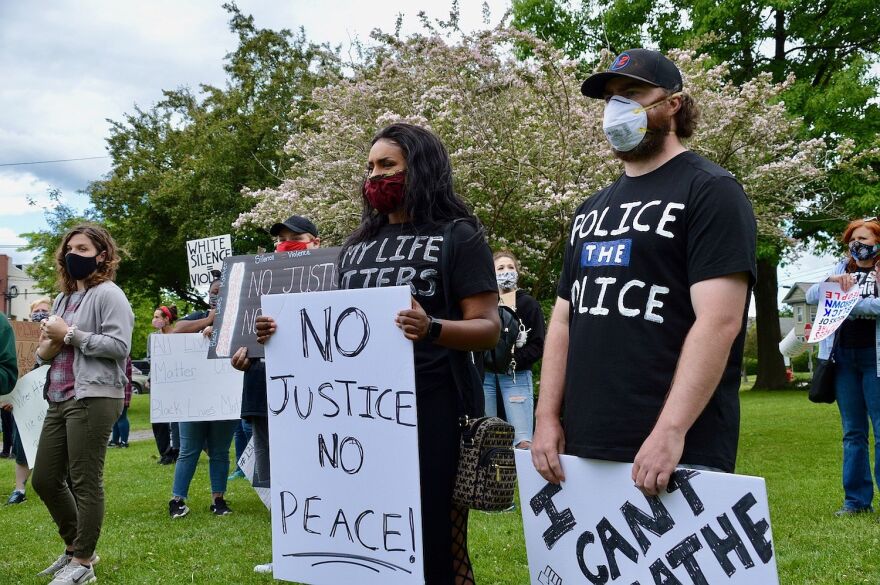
(69,65)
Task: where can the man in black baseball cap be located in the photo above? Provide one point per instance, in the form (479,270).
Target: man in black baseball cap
(646,339)
(650,67)
(296,224)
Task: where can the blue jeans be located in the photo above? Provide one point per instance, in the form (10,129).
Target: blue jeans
(858,398)
(121,428)
(519,400)
(242,437)
(193,435)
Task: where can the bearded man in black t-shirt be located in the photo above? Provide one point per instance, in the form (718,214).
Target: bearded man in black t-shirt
(643,353)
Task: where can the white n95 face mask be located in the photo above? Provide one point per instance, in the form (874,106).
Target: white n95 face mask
(626,121)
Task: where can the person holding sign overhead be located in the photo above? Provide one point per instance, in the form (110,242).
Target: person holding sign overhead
(857,371)
(645,340)
(408,206)
(86,341)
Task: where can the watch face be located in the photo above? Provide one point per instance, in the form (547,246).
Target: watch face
(434,329)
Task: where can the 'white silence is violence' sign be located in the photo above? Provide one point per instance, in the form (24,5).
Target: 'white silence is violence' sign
(596,527)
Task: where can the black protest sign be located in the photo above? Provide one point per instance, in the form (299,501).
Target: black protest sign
(598,528)
(245,279)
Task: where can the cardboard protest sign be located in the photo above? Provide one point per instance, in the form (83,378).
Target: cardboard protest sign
(246,464)
(834,307)
(27,338)
(186,386)
(205,255)
(29,409)
(596,527)
(346,505)
(245,278)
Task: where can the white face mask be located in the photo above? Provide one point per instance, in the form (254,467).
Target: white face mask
(626,121)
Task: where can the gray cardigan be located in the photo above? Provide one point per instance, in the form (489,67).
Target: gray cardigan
(104,322)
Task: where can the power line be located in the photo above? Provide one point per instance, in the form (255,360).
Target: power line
(44,162)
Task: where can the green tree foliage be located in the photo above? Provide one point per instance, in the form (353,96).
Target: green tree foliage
(180,165)
(828,46)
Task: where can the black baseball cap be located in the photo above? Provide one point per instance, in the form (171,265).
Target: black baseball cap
(297,224)
(641,64)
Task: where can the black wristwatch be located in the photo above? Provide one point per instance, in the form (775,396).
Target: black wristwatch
(434,328)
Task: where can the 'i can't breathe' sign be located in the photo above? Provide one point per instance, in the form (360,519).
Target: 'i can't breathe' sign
(597,528)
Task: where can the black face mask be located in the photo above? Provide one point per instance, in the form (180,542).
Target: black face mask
(80,267)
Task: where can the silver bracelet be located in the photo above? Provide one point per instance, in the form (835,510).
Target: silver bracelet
(68,337)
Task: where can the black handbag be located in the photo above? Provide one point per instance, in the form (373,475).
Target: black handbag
(822,389)
(486,475)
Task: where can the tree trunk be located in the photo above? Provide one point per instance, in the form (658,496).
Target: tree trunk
(771,368)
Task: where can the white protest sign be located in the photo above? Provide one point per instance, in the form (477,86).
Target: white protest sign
(834,306)
(596,527)
(205,255)
(29,409)
(186,386)
(346,505)
(246,464)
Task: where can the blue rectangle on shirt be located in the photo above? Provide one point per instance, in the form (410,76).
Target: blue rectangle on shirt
(614,253)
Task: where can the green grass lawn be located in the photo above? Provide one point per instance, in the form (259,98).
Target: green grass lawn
(785,438)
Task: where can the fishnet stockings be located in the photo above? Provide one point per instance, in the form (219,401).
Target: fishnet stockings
(461,560)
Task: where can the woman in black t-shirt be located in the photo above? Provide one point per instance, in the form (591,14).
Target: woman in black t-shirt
(857,374)
(408,204)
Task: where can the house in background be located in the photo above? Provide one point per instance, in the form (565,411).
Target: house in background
(18,289)
(802,312)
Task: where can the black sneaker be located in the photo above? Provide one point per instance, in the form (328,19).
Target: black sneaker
(166,460)
(219,507)
(177,509)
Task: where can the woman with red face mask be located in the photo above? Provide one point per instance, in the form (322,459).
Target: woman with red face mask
(294,234)
(409,203)
(167,435)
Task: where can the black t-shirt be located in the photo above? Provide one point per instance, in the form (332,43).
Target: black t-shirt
(860,331)
(408,254)
(633,251)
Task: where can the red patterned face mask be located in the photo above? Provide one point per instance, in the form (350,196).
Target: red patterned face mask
(385,192)
(289,246)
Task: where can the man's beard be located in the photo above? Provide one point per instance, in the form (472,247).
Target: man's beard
(651,144)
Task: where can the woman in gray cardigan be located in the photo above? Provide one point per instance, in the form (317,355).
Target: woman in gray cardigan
(86,341)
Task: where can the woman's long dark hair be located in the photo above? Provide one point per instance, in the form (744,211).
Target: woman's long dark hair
(428,194)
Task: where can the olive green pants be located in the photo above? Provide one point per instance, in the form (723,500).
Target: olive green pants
(73,444)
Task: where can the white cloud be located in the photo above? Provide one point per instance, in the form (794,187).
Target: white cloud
(17,189)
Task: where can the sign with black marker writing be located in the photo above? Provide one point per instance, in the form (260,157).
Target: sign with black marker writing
(205,255)
(346,505)
(29,409)
(245,278)
(596,527)
(186,386)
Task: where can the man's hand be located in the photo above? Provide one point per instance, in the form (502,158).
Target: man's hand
(265,326)
(240,360)
(208,331)
(547,444)
(7,407)
(656,460)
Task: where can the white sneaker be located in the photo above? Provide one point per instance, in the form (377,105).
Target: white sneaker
(61,562)
(74,574)
(267,568)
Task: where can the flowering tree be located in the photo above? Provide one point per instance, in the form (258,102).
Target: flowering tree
(526,146)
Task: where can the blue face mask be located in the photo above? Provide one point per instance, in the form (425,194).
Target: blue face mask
(861,251)
(38,316)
